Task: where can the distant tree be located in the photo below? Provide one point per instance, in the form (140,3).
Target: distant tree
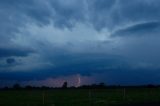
(16,86)
(151,86)
(93,86)
(102,85)
(72,87)
(44,87)
(65,85)
(28,87)
(5,88)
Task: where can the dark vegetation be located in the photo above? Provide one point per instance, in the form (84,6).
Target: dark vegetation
(86,95)
(65,86)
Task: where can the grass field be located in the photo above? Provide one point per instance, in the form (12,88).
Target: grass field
(79,97)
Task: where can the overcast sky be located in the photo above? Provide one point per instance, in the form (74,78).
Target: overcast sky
(47,42)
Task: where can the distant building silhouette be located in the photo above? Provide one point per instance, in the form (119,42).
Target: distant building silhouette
(65,85)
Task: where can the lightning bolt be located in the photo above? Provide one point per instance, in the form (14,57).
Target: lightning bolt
(79,80)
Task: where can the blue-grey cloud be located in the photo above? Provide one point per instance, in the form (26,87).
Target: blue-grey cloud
(69,37)
(10,60)
(140,29)
(8,52)
(139,10)
(100,12)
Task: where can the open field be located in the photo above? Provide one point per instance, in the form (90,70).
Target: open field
(79,97)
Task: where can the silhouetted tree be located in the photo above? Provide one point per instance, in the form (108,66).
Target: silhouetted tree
(16,86)
(5,88)
(151,86)
(44,87)
(102,85)
(28,87)
(65,85)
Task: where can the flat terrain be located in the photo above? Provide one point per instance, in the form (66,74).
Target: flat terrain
(82,97)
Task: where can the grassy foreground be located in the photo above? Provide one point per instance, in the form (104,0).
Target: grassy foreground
(79,97)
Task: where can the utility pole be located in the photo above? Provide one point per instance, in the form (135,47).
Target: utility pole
(90,98)
(124,93)
(43,96)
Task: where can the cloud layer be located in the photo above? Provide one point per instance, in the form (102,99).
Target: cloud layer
(52,38)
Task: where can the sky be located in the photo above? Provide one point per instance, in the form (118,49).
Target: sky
(47,42)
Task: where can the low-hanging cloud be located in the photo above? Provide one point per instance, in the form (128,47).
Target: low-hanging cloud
(19,52)
(139,29)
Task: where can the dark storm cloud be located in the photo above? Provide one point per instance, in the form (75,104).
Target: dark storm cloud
(100,12)
(29,8)
(103,13)
(42,12)
(139,29)
(67,14)
(71,65)
(25,23)
(16,13)
(139,10)
(18,52)
(102,5)
(10,60)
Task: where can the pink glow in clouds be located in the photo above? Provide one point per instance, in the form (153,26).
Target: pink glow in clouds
(74,80)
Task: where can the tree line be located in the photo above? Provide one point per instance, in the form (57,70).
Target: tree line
(65,86)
